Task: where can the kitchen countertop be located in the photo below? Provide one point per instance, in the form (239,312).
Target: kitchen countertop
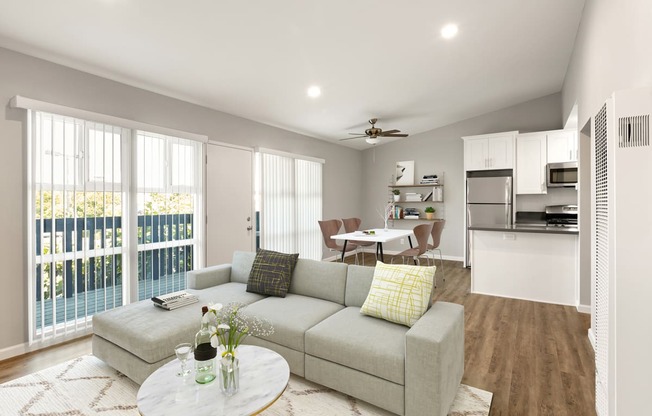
(518,228)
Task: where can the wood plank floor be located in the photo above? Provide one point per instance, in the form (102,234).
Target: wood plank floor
(534,357)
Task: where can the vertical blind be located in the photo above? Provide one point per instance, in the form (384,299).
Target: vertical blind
(76,195)
(169,186)
(291,204)
(86,221)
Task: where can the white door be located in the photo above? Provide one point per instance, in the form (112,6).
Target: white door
(230,222)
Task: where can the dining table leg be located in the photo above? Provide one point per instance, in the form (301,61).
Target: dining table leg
(344,250)
(380,248)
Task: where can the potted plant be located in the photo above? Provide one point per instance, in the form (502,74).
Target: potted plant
(430,213)
(397,194)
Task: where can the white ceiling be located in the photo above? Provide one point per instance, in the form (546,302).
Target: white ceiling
(256,58)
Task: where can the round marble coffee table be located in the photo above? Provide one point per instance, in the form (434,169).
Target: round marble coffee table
(264,375)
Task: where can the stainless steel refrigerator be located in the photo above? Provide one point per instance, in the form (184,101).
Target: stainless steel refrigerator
(488,201)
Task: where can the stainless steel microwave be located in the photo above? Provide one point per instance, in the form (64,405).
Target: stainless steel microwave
(561,175)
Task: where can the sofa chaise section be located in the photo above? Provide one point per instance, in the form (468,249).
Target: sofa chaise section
(139,338)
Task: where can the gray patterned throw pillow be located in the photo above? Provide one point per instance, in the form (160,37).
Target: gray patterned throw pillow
(271,273)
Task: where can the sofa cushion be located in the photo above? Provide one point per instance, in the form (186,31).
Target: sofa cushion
(319,279)
(358,283)
(399,293)
(360,342)
(271,273)
(241,266)
(292,316)
(152,333)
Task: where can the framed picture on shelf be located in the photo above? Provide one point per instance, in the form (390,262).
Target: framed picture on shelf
(405,173)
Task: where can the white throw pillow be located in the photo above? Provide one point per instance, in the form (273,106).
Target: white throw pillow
(399,293)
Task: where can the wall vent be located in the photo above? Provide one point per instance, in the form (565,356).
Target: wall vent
(634,131)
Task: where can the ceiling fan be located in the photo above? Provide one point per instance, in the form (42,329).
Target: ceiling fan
(373,134)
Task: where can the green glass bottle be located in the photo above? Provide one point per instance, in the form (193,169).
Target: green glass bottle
(205,354)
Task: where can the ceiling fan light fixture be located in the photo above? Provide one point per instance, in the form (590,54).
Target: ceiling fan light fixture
(372,140)
(449,31)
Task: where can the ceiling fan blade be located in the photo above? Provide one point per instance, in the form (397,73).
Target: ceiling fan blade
(395,135)
(357,134)
(384,133)
(356,137)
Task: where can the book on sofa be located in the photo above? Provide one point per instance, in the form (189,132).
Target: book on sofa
(174,300)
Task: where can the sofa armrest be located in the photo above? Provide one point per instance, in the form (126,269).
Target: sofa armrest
(209,276)
(434,360)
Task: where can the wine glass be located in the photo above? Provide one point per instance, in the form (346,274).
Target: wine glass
(183,353)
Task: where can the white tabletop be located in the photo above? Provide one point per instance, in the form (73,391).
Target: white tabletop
(264,375)
(380,235)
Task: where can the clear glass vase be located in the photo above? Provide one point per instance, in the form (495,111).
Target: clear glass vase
(229,375)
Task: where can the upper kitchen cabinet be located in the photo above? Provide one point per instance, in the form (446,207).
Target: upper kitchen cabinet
(531,163)
(489,151)
(562,146)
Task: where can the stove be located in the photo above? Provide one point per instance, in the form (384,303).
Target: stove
(561,215)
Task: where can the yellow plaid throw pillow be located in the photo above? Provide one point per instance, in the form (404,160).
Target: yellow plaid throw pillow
(399,293)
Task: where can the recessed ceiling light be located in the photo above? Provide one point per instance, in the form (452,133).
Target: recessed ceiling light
(449,31)
(314,91)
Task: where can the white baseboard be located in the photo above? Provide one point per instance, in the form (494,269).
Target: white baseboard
(24,348)
(591,338)
(14,351)
(583,308)
(519,298)
(391,253)
(445,257)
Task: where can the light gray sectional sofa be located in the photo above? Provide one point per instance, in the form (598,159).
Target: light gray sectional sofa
(318,329)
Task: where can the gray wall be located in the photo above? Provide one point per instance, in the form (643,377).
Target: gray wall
(612,52)
(45,81)
(442,150)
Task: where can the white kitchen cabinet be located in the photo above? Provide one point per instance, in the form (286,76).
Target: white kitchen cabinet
(531,163)
(540,267)
(562,146)
(490,151)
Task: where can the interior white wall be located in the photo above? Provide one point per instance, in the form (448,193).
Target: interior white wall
(34,78)
(612,52)
(442,150)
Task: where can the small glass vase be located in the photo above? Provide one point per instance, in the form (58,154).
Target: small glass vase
(229,375)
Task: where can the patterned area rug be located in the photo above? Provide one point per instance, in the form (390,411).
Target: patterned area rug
(87,386)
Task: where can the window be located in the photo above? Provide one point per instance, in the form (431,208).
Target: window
(290,189)
(86,219)
(168,197)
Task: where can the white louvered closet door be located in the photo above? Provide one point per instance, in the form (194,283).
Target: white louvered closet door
(600,261)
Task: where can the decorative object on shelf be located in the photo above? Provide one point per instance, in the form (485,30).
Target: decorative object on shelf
(205,352)
(389,208)
(429,180)
(397,195)
(430,213)
(405,172)
(231,327)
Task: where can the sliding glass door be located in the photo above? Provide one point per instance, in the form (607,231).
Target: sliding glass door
(96,201)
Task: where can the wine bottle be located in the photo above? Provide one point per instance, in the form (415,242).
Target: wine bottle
(205,353)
